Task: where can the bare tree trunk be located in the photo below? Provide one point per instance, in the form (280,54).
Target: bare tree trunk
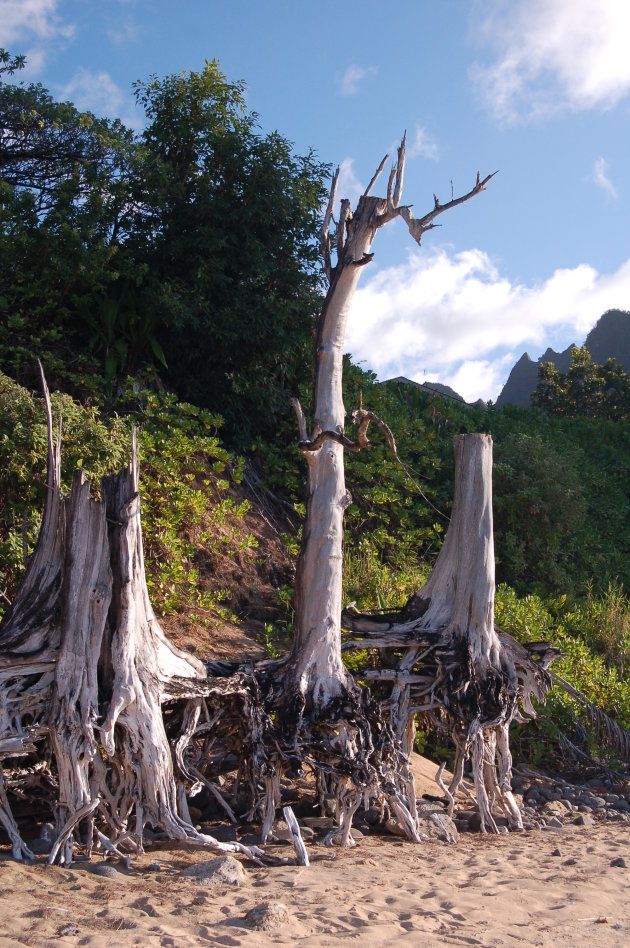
(316,666)
(459,595)
(316,660)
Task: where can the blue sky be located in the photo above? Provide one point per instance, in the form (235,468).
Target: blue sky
(538,89)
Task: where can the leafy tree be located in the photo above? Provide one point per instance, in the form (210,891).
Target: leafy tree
(196,238)
(66,210)
(589,389)
(229,234)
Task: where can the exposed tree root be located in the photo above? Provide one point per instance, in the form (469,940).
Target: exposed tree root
(112,727)
(85,669)
(442,656)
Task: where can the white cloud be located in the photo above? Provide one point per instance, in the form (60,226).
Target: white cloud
(353,76)
(98,93)
(455,317)
(553,55)
(423,146)
(21,18)
(35,22)
(601,179)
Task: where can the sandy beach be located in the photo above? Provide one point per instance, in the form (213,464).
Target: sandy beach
(548,887)
(536,888)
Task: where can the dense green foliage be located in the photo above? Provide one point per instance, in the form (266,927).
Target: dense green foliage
(593,637)
(586,389)
(194,239)
(229,238)
(185,256)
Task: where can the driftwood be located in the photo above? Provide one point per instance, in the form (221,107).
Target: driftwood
(112,727)
(115,727)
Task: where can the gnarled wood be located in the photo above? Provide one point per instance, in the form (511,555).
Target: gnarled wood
(456,666)
(86,667)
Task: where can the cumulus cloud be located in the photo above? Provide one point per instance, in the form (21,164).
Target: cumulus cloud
(455,318)
(422,145)
(601,179)
(353,76)
(552,55)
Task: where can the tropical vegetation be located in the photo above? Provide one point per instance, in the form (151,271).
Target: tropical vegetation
(169,280)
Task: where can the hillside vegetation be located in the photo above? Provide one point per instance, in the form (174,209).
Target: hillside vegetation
(169,280)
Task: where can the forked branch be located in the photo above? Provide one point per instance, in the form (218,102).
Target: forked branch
(419,225)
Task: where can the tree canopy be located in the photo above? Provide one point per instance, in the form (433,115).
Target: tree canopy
(195,238)
(587,389)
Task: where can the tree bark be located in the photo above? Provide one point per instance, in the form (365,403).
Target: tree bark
(85,665)
(456,667)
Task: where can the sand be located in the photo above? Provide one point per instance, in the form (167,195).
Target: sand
(543,887)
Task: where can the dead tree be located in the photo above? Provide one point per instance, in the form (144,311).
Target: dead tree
(454,665)
(321,693)
(84,671)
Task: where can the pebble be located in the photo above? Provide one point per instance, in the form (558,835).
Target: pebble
(557,852)
(69,930)
(619,862)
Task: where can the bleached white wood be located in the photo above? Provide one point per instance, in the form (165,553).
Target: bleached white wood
(460,590)
(316,666)
(301,853)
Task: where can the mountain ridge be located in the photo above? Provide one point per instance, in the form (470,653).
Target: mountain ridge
(608,339)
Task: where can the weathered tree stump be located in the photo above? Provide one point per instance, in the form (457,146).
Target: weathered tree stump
(85,669)
(455,665)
